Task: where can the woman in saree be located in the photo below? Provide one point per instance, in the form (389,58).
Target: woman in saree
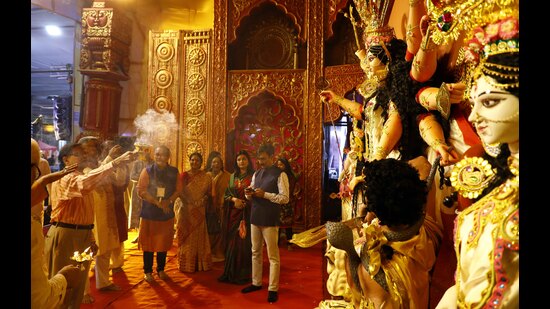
(194,252)
(238,260)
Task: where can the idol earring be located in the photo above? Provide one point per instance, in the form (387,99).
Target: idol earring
(492,149)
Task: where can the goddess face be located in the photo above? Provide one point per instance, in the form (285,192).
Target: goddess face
(495,114)
(374,63)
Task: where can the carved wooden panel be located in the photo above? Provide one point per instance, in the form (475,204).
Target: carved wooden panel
(104,59)
(267,106)
(179,82)
(196,94)
(270,45)
(289,87)
(105,42)
(287,83)
(101,107)
(164,79)
(341,79)
(219,78)
(313,157)
(333,7)
(240,9)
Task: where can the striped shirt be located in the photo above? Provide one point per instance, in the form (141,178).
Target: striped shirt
(72,199)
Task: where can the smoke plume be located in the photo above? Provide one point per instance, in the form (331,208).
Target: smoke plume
(154,128)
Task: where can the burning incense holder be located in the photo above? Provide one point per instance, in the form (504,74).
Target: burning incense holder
(143,150)
(80,258)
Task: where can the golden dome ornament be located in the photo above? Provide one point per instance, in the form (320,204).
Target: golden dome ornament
(470,176)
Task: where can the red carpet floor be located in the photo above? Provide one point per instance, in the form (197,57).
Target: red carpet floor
(301,284)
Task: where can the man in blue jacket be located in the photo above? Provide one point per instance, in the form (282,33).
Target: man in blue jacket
(267,191)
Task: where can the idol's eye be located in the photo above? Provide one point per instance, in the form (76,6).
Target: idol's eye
(490,101)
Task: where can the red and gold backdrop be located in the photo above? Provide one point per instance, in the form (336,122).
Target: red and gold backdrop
(286,92)
(251,80)
(267,107)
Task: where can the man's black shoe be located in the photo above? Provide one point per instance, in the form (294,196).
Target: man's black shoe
(251,288)
(272,296)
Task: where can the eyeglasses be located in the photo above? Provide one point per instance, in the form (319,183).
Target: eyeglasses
(38,172)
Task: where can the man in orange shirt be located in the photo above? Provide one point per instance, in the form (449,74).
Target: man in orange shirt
(73,215)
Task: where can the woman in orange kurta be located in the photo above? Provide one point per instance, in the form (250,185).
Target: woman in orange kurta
(194,252)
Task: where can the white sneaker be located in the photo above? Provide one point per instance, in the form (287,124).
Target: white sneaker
(149,277)
(163,275)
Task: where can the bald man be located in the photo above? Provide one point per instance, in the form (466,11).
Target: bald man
(45,293)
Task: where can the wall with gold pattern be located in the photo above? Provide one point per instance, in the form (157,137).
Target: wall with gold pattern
(294,87)
(179,71)
(189,76)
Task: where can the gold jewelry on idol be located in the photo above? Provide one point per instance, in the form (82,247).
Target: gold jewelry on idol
(470,176)
(374,21)
(443,101)
(466,15)
(491,149)
(513,165)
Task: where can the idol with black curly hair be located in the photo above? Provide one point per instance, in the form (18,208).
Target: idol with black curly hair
(394,192)
(389,111)
(400,236)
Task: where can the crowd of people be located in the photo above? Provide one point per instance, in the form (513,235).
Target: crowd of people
(90,215)
(426,222)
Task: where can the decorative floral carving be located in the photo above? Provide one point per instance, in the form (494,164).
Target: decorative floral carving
(197,56)
(219,81)
(295,87)
(196,81)
(194,119)
(195,127)
(195,107)
(193,147)
(241,8)
(312,160)
(288,84)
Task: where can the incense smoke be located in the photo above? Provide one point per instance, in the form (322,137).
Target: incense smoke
(154,128)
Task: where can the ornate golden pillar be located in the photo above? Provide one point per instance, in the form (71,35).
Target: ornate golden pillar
(106,39)
(178,82)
